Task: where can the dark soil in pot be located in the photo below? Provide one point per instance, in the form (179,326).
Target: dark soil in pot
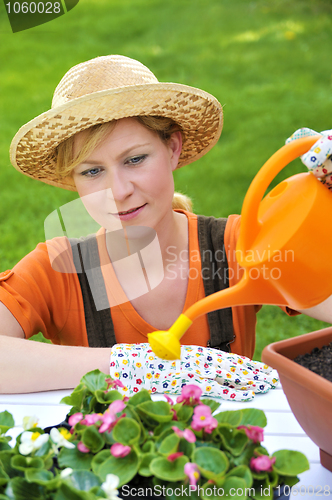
(318,361)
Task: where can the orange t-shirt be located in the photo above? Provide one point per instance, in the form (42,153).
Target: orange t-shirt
(42,299)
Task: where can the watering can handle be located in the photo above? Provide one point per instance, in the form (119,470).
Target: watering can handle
(250,225)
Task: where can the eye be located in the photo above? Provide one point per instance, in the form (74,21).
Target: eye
(135,160)
(91,172)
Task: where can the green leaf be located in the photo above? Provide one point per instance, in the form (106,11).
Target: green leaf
(210,461)
(22,463)
(75,399)
(139,397)
(252,416)
(169,444)
(126,431)
(4,440)
(99,459)
(165,429)
(74,459)
(67,492)
(229,417)
(226,487)
(4,478)
(125,468)
(186,447)
(95,380)
(169,471)
(237,484)
(6,422)
(5,460)
(263,490)
(290,463)
(84,480)
(184,413)
(92,439)
(156,410)
(233,440)
(148,447)
(39,476)
(144,468)
(107,397)
(242,471)
(22,490)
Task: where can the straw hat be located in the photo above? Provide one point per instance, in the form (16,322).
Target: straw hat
(107,88)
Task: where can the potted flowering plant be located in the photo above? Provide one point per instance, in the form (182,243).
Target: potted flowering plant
(113,446)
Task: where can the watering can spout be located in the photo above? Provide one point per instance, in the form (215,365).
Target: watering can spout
(283,248)
(166,344)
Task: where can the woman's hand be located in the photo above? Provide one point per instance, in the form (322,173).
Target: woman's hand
(217,373)
(319,157)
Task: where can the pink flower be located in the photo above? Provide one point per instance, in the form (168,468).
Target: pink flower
(202,419)
(187,434)
(263,463)
(253,432)
(175,417)
(174,456)
(119,450)
(191,471)
(91,419)
(190,394)
(74,419)
(169,400)
(82,448)
(113,384)
(109,418)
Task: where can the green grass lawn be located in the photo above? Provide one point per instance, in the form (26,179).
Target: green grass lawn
(268,63)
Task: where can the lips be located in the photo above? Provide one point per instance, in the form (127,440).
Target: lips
(132,210)
(130,214)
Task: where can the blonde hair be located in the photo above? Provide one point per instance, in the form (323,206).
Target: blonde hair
(66,160)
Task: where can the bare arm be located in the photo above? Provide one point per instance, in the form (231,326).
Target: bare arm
(322,311)
(27,366)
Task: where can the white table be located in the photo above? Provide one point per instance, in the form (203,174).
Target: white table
(282,431)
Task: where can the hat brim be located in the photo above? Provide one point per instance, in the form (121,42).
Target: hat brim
(199,114)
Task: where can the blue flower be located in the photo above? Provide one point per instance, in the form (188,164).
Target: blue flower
(125,375)
(237,381)
(262,387)
(160,366)
(209,358)
(151,366)
(313,158)
(120,355)
(256,377)
(187,365)
(200,349)
(165,385)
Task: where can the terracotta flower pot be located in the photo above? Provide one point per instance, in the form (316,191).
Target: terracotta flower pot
(308,394)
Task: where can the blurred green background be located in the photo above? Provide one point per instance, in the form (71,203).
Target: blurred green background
(267,61)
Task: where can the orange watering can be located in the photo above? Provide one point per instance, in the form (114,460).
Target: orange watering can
(284,248)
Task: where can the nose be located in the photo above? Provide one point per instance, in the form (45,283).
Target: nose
(119,186)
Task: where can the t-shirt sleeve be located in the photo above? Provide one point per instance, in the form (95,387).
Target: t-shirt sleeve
(43,293)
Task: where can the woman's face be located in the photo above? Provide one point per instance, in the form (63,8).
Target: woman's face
(128,179)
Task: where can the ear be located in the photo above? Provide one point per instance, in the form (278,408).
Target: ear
(175,146)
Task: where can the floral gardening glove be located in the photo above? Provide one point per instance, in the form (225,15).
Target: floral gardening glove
(319,158)
(218,373)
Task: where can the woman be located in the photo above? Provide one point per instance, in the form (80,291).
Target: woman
(115,134)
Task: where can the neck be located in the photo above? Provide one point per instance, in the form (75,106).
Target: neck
(172,234)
